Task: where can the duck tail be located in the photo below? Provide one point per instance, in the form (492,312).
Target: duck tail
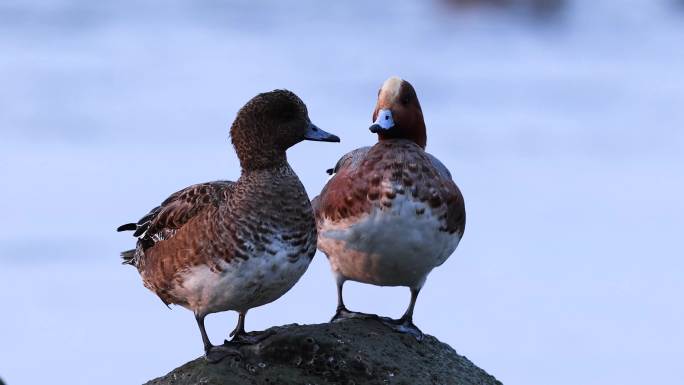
(128,257)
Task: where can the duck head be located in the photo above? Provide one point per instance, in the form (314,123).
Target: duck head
(397,114)
(268,125)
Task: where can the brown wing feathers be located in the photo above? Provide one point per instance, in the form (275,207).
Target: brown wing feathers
(173,213)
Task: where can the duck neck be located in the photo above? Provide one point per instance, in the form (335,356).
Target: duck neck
(416,133)
(262,160)
(272,184)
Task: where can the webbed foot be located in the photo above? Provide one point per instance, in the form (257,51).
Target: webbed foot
(250,338)
(217,353)
(343,314)
(403,325)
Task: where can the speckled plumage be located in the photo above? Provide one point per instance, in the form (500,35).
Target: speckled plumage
(374,176)
(382,181)
(391,212)
(235,245)
(223,224)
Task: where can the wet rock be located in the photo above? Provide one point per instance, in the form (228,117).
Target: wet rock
(345,353)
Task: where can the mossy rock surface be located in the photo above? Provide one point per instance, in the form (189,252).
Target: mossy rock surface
(345,353)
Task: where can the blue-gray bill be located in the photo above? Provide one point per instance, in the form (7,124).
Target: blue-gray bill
(316,134)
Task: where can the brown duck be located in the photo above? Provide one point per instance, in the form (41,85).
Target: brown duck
(390,213)
(225,245)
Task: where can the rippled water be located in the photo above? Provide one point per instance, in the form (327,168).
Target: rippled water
(563,129)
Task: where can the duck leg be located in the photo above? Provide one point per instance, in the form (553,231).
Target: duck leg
(405,323)
(214,354)
(240,336)
(342,312)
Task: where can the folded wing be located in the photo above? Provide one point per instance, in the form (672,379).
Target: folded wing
(162,222)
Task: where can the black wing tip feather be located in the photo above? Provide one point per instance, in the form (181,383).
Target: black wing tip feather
(128,257)
(127,227)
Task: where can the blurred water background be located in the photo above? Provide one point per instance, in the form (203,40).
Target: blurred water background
(561,121)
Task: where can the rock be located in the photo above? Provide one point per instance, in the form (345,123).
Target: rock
(345,353)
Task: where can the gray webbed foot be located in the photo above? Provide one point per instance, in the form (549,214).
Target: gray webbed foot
(403,325)
(250,338)
(217,353)
(343,314)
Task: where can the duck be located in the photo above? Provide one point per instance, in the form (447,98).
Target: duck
(224,245)
(390,213)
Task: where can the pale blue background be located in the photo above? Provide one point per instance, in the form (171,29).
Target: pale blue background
(564,131)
